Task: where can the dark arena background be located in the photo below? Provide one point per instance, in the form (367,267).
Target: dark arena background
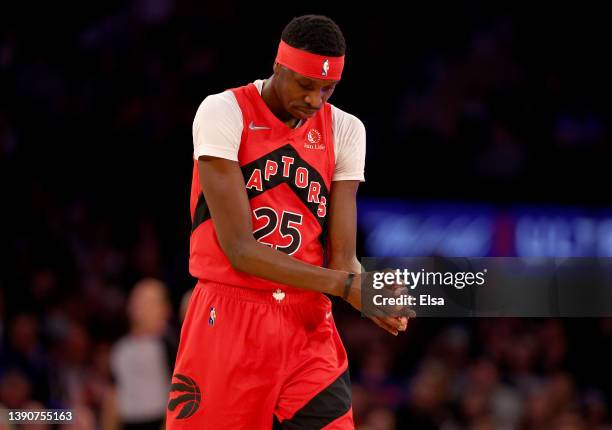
(488,134)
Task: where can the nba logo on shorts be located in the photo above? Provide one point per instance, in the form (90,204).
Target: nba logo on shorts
(213,316)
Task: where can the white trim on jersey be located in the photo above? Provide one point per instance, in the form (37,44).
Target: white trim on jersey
(217,130)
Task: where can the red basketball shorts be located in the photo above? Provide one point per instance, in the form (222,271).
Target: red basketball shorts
(252,359)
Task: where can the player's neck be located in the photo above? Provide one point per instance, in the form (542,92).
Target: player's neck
(271,99)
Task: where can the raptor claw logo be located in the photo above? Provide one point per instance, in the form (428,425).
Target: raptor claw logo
(189,396)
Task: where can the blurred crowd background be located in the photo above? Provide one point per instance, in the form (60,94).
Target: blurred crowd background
(467,104)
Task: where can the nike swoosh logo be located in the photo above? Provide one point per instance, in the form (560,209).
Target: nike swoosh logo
(252,126)
(327,315)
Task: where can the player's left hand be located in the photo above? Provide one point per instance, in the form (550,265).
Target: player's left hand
(390,318)
(393,319)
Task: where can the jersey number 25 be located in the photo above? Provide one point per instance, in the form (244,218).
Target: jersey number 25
(289,221)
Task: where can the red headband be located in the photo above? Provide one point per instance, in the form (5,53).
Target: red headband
(310,65)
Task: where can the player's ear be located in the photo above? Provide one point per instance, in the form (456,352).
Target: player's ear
(276,68)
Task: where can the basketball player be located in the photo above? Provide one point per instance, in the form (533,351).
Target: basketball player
(275,176)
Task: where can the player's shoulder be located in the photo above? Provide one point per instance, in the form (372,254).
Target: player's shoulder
(217,109)
(219,101)
(345,120)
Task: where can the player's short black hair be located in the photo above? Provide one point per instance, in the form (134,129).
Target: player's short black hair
(316,34)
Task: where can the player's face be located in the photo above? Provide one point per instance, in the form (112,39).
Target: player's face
(302,97)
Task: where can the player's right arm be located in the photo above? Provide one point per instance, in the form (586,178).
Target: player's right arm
(217,130)
(224,190)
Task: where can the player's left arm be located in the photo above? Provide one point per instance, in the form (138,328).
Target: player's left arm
(342,226)
(342,236)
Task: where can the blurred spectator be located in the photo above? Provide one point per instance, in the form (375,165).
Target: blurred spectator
(142,362)
(26,353)
(15,390)
(379,419)
(427,397)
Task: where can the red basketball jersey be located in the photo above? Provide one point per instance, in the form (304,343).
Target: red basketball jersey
(287,173)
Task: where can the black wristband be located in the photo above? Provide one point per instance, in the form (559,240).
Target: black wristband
(347,285)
